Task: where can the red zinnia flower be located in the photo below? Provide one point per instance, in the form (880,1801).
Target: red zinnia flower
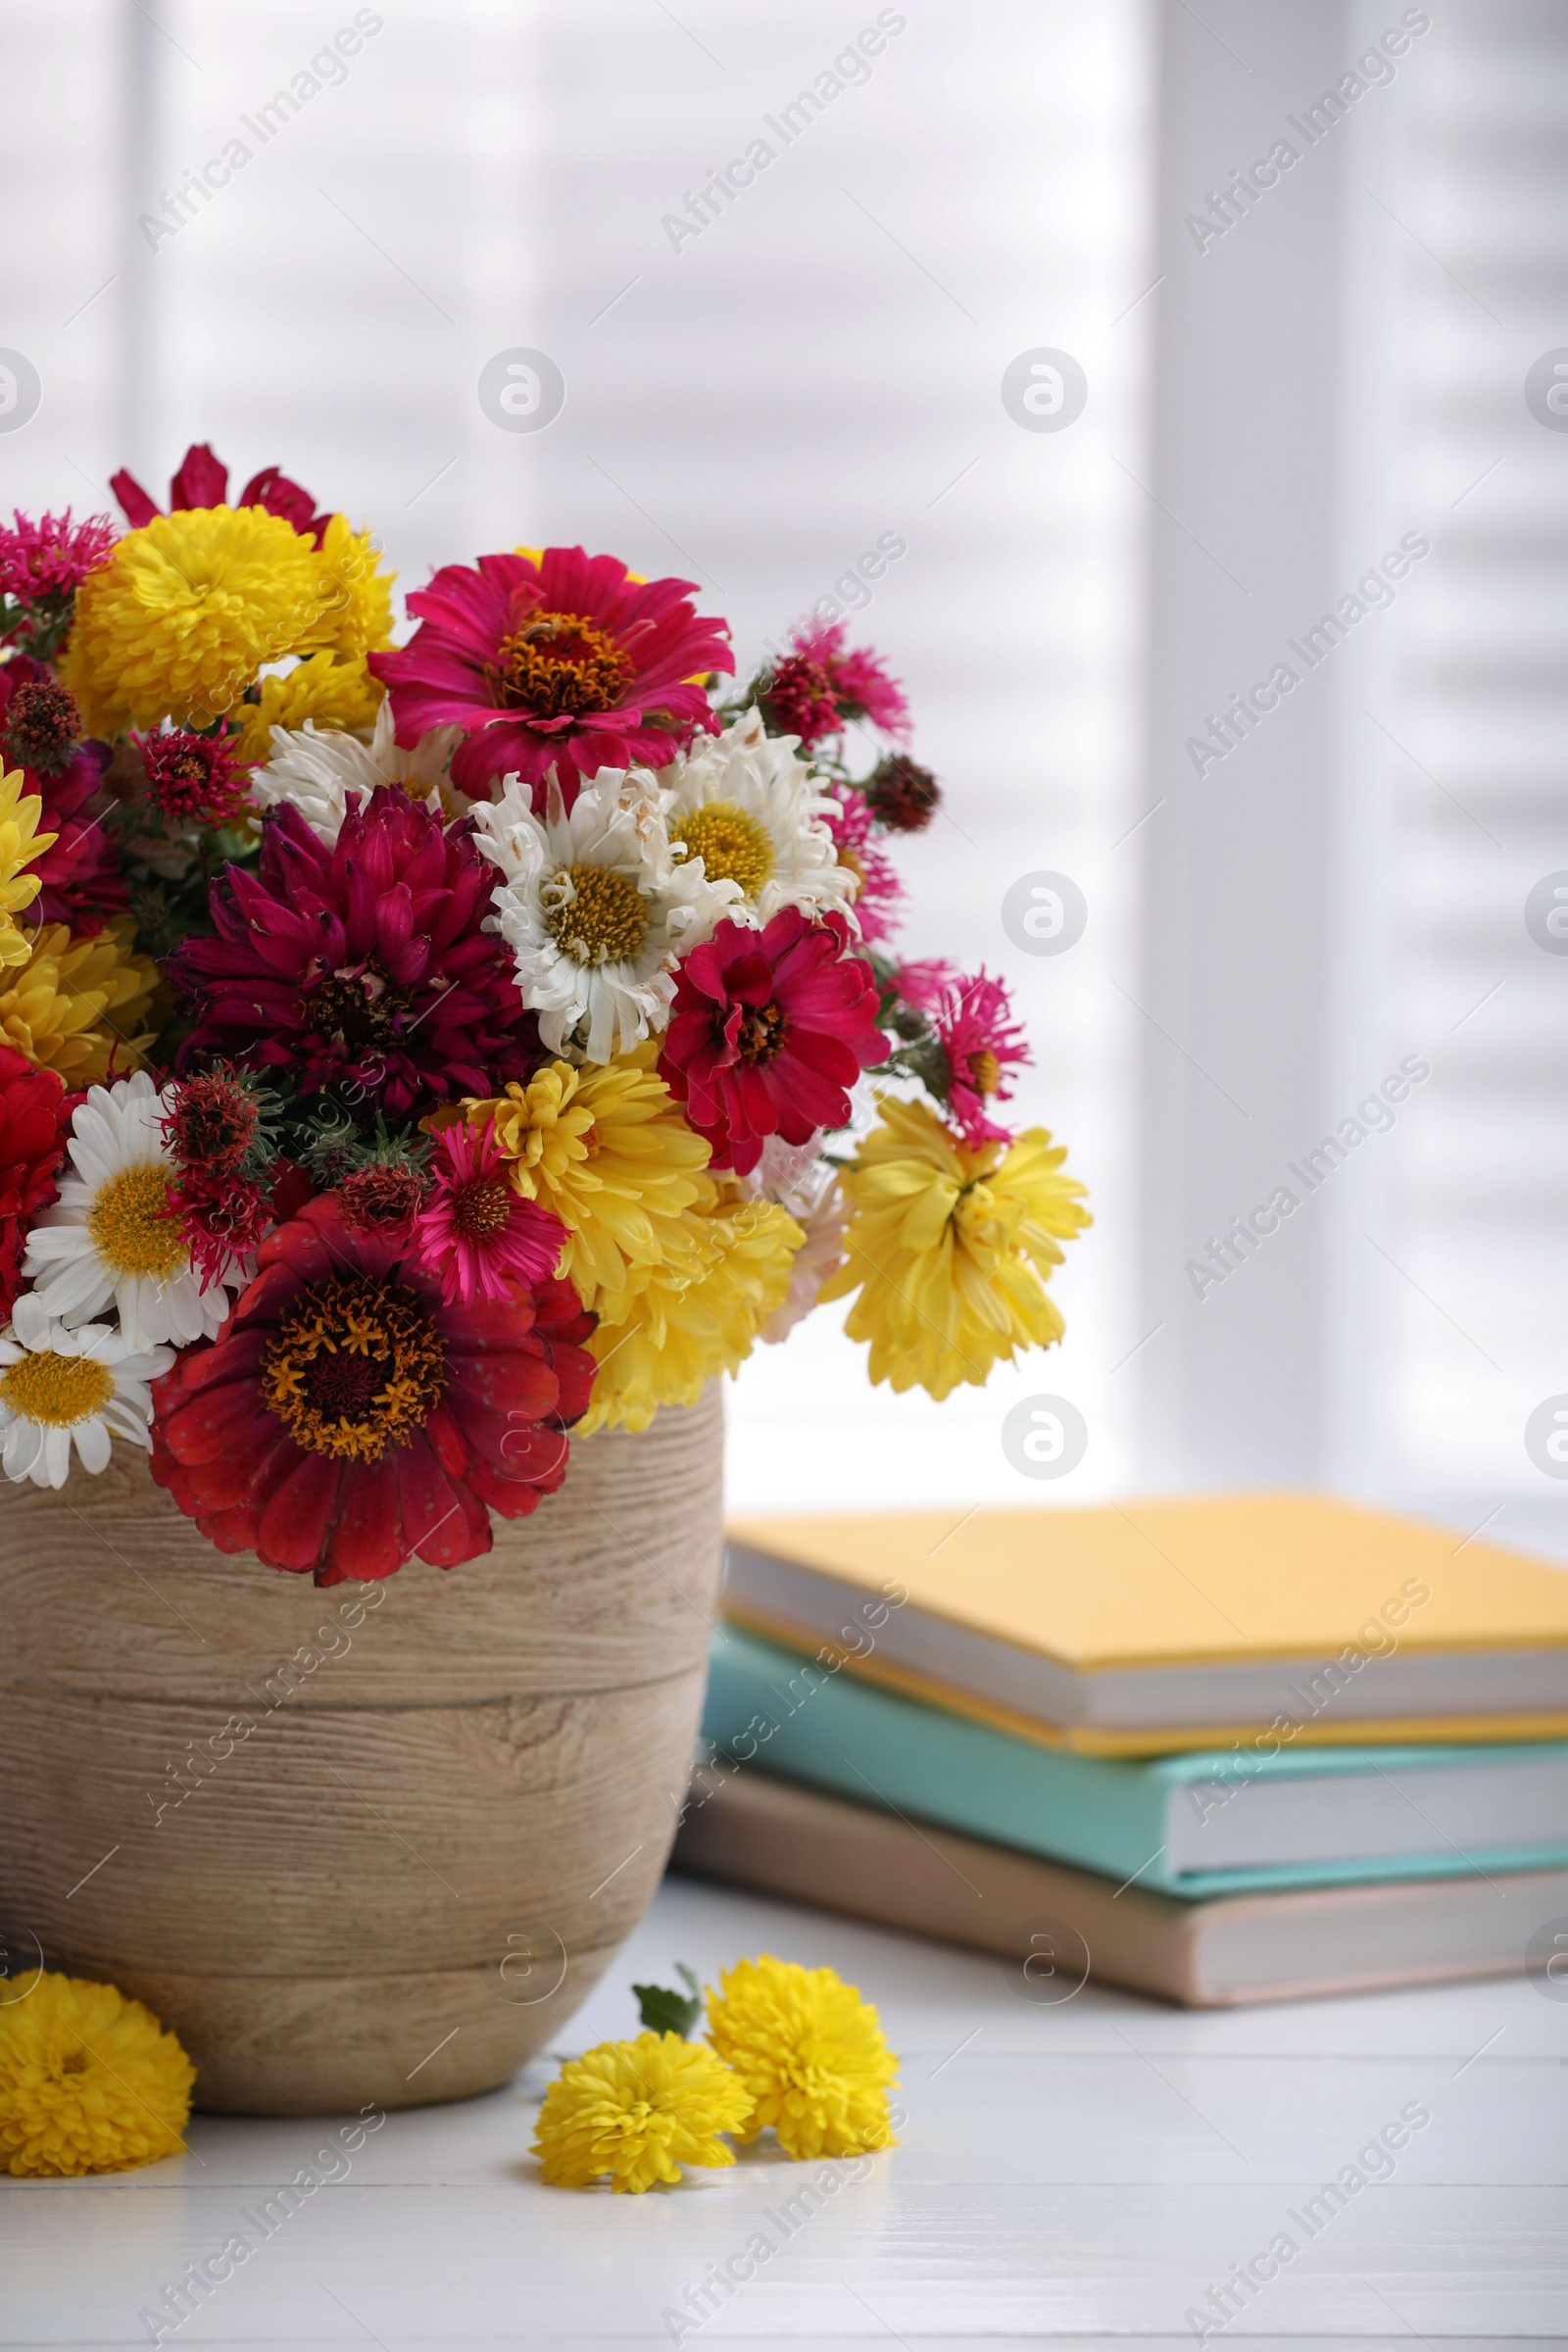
(192,777)
(35,1115)
(567,664)
(346,1418)
(52,556)
(81,884)
(362,965)
(202,481)
(972,1014)
(475,1233)
(768,1030)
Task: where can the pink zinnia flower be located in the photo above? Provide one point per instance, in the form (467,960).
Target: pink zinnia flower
(878,903)
(972,1014)
(475,1233)
(52,556)
(202,481)
(859,680)
(768,1030)
(364,965)
(566,666)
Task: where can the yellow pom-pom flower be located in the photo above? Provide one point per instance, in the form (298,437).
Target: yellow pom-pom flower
(75,1004)
(950,1249)
(811,2053)
(20,841)
(336,692)
(89,2081)
(638,2111)
(184,614)
(356,597)
(605,1149)
(696,1314)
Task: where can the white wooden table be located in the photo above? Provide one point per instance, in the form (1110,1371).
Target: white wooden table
(1068,2174)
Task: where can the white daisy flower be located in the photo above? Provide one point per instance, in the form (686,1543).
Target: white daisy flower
(107,1239)
(750,809)
(326,772)
(60,1387)
(596,909)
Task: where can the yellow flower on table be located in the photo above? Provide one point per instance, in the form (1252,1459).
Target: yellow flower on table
(638,2111)
(696,1313)
(811,2053)
(950,1249)
(20,841)
(605,1149)
(89,2081)
(185,613)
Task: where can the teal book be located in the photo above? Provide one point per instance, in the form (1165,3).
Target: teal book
(1260,1815)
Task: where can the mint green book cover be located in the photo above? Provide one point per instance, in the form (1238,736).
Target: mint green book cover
(770,1710)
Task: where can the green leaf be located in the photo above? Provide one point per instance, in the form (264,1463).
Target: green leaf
(667,2012)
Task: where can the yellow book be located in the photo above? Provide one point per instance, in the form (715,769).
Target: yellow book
(1144,1628)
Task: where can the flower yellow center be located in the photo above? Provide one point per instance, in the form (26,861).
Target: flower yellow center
(355,1367)
(732,846)
(481,1208)
(984,1070)
(604,919)
(56,1392)
(129,1226)
(761,1032)
(848,860)
(559,664)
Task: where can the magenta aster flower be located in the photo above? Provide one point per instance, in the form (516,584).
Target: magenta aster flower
(768,1030)
(879,901)
(362,965)
(475,1234)
(202,481)
(566,665)
(860,681)
(193,777)
(52,556)
(973,1016)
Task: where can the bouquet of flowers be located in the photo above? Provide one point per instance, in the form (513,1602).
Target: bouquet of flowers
(410,1055)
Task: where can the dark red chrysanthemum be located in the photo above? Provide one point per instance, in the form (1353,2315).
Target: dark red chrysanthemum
(346,1418)
(768,1032)
(35,1115)
(360,966)
(202,481)
(192,777)
(80,876)
(567,664)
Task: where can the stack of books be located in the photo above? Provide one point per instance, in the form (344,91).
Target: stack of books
(1220,1750)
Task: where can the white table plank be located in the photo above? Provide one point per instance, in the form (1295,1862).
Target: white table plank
(1065,2173)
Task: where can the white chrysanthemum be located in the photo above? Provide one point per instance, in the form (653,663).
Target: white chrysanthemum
(323,773)
(107,1238)
(596,909)
(60,1387)
(750,809)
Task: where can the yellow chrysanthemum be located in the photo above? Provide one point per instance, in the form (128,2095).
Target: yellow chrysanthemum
(696,1313)
(356,598)
(606,1149)
(638,2111)
(951,1250)
(186,612)
(75,1002)
(334,692)
(20,841)
(89,2081)
(811,2053)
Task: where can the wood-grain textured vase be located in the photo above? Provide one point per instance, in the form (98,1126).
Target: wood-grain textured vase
(372,1844)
